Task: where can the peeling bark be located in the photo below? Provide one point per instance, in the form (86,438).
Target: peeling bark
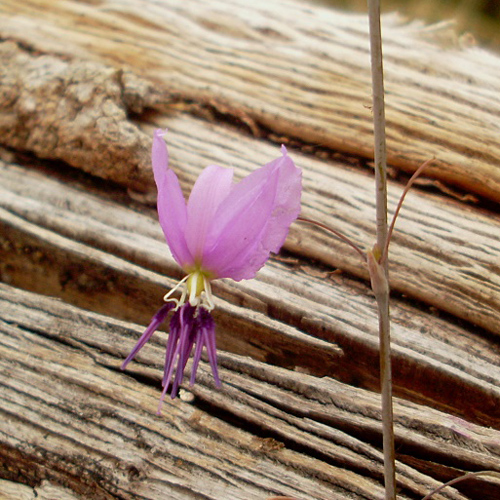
(75,111)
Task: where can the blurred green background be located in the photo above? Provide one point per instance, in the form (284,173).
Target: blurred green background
(481,18)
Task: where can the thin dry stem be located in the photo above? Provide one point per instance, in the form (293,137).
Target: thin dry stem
(417,172)
(335,233)
(381,268)
(469,475)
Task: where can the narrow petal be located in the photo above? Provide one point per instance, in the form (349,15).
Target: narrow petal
(159,156)
(156,321)
(212,186)
(172,210)
(196,357)
(208,329)
(172,349)
(254,220)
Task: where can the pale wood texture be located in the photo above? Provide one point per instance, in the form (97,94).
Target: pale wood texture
(84,84)
(101,420)
(258,60)
(44,491)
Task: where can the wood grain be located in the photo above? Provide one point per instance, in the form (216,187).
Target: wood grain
(60,371)
(453,267)
(298,71)
(82,87)
(10,490)
(108,258)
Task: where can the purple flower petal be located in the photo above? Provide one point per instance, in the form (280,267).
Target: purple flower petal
(172,210)
(172,349)
(253,220)
(179,346)
(211,188)
(286,204)
(186,340)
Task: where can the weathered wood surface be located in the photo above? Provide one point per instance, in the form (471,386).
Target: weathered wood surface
(85,84)
(43,491)
(103,256)
(108,258)
(61,363)
(294,70)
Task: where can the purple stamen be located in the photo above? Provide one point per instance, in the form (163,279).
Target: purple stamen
(156,321)
(190,326)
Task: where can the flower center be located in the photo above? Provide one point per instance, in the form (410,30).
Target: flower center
(195,288)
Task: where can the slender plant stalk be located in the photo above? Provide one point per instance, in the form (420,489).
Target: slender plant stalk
(409,184)
(378,121)
(386,391)
(379,270)
(487,474)
(336,233)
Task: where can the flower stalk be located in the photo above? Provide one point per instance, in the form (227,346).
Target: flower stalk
(377,265)
(486,474)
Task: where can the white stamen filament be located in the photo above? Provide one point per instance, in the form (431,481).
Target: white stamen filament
(180,301)
(204,298)
(209,303)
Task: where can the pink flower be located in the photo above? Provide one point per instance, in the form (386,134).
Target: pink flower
(225,230)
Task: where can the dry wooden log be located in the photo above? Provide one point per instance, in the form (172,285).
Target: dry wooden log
(63,397)
(295,70)
(75,112)
(452,266)
(61,241)
(10,490)
(86,83)
(454,270)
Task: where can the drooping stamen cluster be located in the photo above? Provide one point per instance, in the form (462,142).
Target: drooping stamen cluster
(191,326)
